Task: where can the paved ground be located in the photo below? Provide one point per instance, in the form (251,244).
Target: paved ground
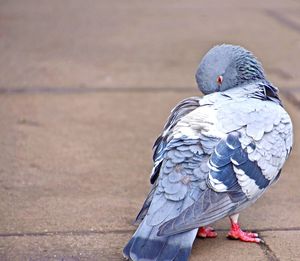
(85,88)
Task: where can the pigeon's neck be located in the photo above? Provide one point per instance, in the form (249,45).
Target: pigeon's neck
(249,68)
(261,89)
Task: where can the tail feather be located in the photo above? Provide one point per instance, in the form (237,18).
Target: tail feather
(146,245)
(145,249)
(183,254)
(126,250)
(143,212)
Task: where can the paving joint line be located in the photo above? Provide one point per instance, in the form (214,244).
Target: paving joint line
(287,92)
(269,253)
(66,233)
(113,89)
(85,90)
(117,231)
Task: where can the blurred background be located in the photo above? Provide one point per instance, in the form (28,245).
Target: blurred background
(85,89)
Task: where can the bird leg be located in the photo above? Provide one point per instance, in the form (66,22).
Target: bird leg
(236,232)
(206,232)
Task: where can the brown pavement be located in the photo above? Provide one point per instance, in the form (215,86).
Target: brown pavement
(86,87)
(126,43)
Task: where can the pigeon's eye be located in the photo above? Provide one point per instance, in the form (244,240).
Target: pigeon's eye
(219,79)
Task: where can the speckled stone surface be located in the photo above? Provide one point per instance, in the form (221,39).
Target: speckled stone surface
(86,87)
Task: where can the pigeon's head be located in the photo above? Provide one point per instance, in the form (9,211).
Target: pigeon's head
(227,66)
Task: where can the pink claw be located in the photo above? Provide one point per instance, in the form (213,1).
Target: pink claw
(206,232)
(237,233)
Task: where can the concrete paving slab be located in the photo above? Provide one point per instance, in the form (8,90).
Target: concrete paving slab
(68,248)
(80,164)
(110,142)
(108,136)
(284,244)
(139,43)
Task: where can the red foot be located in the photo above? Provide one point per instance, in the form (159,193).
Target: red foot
(206,232)
(237,233)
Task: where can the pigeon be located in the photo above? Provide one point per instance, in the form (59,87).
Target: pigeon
(216,155)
